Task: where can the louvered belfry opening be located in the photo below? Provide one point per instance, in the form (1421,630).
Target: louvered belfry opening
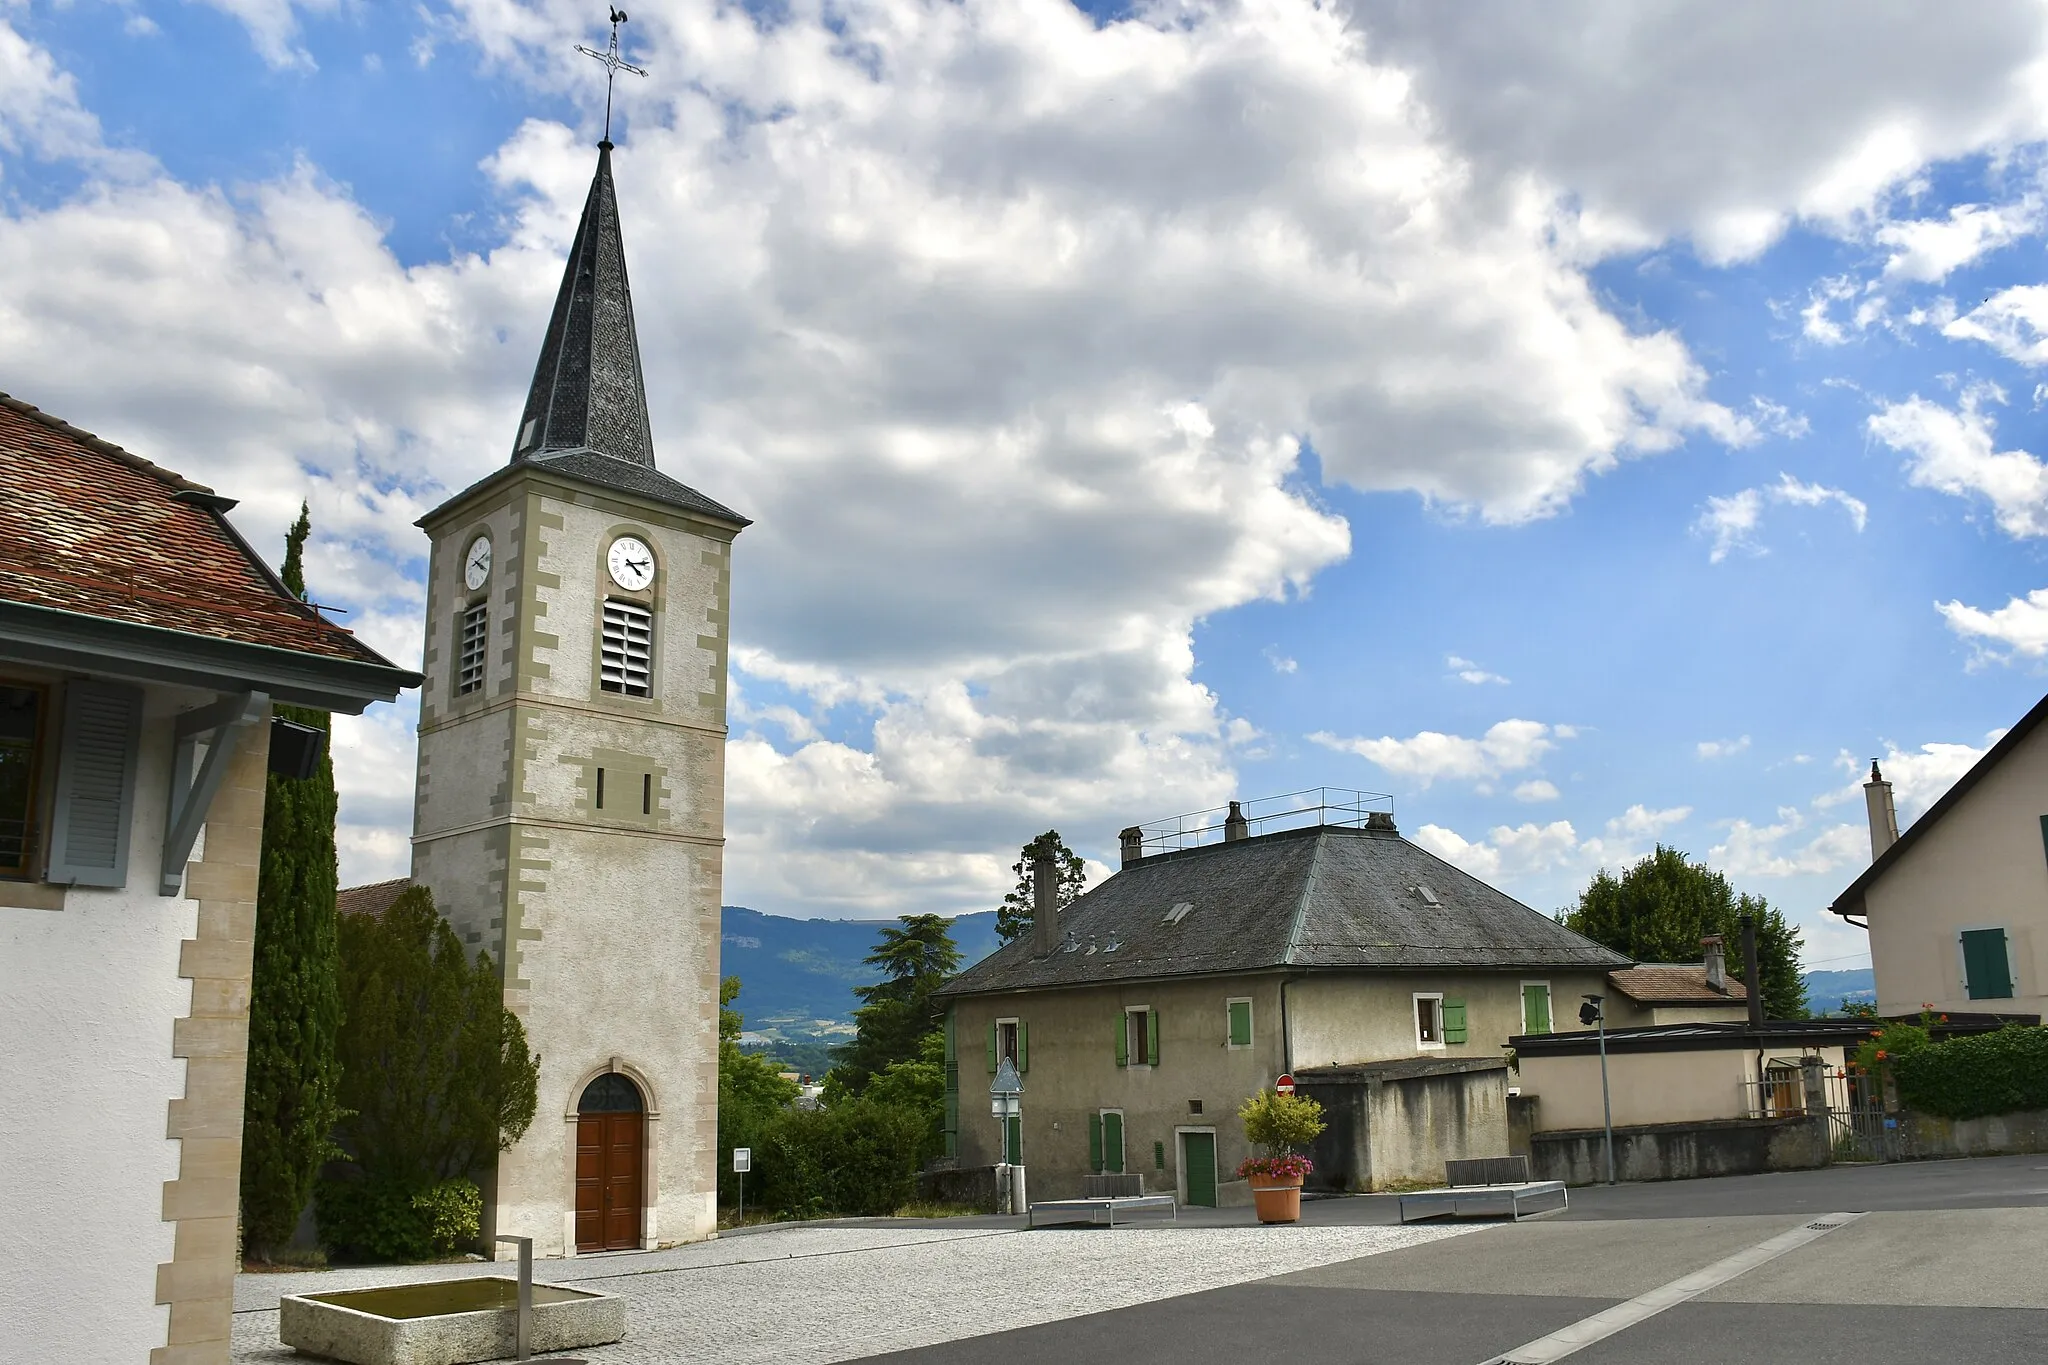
(469,671)
(626,656)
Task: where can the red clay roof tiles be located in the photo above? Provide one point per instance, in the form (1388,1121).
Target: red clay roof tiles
(87,527)
(1665,983)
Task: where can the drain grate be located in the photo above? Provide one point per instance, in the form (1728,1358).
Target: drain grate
(1823,1225)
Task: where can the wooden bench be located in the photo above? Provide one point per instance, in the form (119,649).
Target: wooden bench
(1490,1185)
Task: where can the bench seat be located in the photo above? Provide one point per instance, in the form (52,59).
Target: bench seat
(1094,1210)
(1453,1200)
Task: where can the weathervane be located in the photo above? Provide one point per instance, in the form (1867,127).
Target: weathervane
(613,65)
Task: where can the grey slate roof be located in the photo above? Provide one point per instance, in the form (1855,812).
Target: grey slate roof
(1325,897)
(587,389)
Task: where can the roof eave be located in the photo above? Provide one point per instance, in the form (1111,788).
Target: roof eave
(733,523)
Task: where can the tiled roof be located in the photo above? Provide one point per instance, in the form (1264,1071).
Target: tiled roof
(373,899)
(87,527)
(1321,897)
(1674,983)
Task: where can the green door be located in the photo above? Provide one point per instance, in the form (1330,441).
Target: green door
(1198,1163)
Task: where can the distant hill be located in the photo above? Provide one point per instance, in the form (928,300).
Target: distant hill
(1825,991)
(797,975)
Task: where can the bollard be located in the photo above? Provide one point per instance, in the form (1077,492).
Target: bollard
(525,1316)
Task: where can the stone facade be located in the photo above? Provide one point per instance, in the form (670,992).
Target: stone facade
(576,834)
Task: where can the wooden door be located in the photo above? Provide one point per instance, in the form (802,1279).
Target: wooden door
(1198,1158)
(608,1182)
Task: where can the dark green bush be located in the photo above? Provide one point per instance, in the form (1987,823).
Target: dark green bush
(1967,1078)
(854,1157)
(385,1220)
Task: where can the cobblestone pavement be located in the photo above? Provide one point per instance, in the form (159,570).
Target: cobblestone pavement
(811,1294)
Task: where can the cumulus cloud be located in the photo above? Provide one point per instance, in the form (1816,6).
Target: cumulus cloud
(1721,748)
(1506,747)
(1749,850)
(2020,626)
(2012,322)
(1537,789)
(1731,522)
(1530,851)
(1954,451)
(1281,663)
(1927,250)
(1470,672)
(1919,776)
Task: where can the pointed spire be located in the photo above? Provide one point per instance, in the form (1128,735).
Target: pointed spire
(587,392)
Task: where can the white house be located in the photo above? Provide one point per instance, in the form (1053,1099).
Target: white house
(141,645)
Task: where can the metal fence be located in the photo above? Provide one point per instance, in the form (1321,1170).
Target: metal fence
(1861,1126)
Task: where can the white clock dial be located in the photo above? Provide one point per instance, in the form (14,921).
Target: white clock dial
(476,563)
(631,563)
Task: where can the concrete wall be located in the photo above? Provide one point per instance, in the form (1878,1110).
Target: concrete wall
(1981,866)
(1371,1017)
(1681,1151)
(603,919)
(123,1060)
(1625,1013)
(1385,1132)
(1995,1135)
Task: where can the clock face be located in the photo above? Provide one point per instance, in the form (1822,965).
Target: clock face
(631,563)
(476,563)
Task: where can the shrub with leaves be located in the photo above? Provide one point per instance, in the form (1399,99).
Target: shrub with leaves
(1281,1123)
(859,1156)
(368,1220)
(1987,1073)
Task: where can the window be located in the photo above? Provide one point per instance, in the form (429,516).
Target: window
(469,671)
(21,721)
(647,793)
(1429,1020)
(1137,1037)
(626,655)
(1535,1007)
(1007,1038)
(1987,968)
(1240,1023)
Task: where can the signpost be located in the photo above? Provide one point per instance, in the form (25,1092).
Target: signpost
(742,1162)
(1285,1085)
(1591,1013)
(1006,1106)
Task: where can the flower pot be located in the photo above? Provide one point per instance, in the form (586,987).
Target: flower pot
(1276,1200)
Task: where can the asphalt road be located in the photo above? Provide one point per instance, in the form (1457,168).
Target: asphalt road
(1948,1263)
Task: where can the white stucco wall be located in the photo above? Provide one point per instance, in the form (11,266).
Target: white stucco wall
(1982,865)
(1370,1018)
(1653,1087)
(89,994)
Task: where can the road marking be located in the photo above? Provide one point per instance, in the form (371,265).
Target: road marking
(1583,1333)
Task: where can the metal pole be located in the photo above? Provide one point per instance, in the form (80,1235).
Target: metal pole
(1606,1104)
(523,1329)
(739,1219)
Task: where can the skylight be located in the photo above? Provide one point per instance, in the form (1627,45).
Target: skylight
(1178,913)
(1428,896)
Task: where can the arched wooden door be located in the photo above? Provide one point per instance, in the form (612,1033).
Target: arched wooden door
(610,1161)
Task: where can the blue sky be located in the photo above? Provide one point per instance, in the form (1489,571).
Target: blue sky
(1207,400)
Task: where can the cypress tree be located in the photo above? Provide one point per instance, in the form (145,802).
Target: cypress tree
(290,1105)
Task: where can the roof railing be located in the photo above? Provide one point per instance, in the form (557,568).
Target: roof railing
(1312,806)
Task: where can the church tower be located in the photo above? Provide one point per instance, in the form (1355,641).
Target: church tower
(570,812)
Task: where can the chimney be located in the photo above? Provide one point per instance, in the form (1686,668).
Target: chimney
(1884,813)
(1752,984)
(1380,820)
(1045,906)
(1133,843)
(1717,964)
(1235,826)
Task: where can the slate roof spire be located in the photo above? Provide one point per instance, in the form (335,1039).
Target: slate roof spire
(588,393)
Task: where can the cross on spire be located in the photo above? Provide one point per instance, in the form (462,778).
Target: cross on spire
(613,65)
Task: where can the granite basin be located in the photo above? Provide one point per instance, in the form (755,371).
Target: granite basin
(448,1322)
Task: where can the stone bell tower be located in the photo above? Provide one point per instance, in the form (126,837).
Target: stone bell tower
(570,814)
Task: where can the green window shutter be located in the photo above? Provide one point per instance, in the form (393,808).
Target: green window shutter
(95,797)
(1987,970)
(991,1047)
(1454,1021)
(1113,1143)
(1152,1037)
(1014,1140)
(1240,1023)
(1158,1156)
(1023,1048)
(1123,1046)
(1535,1009)
(1095,1143)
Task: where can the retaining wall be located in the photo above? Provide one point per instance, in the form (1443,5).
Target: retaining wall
(1681,1151)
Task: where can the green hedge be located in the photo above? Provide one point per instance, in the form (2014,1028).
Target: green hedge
(854,1157)
(378,1220)
(1967,1078)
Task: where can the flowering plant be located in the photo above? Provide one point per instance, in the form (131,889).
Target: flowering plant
(1293,1166)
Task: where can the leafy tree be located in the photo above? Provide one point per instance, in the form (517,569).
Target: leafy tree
(290,1101)
(1659,909)
(751,1090)
(918,1084)
(916,956)
(435,1071)
(1013,916)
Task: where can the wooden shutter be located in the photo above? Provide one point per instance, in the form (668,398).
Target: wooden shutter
(1987,968)
(1015,1141)
(1240,1023)
(1113,1142)
(1152,1037)
(1454,1021)
(1535,1009)
(991,1047)
(1123,1045)
(1095,1143)
(1023,1048)
(95,797)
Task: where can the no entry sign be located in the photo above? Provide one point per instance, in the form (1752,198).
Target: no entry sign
(1285,1085)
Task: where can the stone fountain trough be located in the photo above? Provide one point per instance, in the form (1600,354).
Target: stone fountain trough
(449,1322)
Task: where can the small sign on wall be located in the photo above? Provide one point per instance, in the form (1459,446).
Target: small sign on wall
(742,1159)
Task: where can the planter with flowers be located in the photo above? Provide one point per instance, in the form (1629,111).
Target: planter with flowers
(1278,1124)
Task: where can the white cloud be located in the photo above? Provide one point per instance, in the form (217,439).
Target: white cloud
(1918,776)
(1760,851)
(1817,318)
(1533,852)
(1640,822)
(2021,625)
(2012,322)
(1537,789)
(1470,672)
(1281,663)
(273,26)
(1953,451)
(1721,748)
(1508,746)
(1732,521)
(1926,250)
